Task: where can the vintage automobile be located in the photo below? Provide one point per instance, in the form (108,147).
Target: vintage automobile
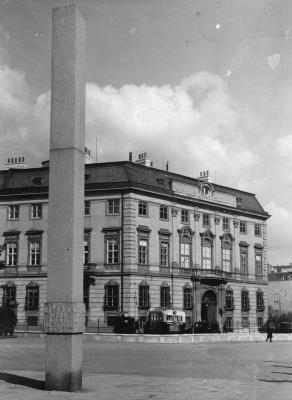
(165,321)
(206,327)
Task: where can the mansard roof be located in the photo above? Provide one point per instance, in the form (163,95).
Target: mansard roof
(115,176)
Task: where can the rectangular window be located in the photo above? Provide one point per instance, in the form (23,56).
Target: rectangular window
(164,254)
(244,300)
(111,297)
(259,264)
(144,297)
(245,322)
(12,253)
(260,301)
(163,212)
(32,297)
(112,251)
(9,295)
(226,260)
(243,227)
(87,207)
(206,257)
(229,322)
(276,297)
(188,298)
(226,224)
(143,252)
(206,220)
(143,208)
(86,251)
(185,255)
(229,300)
(165,296)
(13,212)
(36,211)
(260,321)
(113,207)
(185,216)
(243,261)
(34,248)
(257,230)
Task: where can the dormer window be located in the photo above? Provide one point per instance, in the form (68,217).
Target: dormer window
(206,191)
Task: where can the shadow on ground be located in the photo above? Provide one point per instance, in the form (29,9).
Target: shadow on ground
(22,380)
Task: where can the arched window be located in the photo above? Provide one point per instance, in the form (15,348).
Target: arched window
(207,239)
(229,302)
(111,296)
(185,239)
(187,297)
(32,296)
(260,300)
(244,300)
(165,295)
(226,252)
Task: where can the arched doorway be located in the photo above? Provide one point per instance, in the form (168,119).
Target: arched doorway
(209,307)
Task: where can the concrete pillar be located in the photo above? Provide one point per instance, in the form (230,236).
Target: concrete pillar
(64,310)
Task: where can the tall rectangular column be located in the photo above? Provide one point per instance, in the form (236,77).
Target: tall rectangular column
(64,310)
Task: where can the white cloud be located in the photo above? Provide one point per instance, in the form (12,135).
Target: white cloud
(279,233)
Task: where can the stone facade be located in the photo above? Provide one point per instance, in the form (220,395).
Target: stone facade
(152,239)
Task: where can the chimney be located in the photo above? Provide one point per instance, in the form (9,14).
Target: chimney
(205,177)
(143,160)
(131,156)
(166,166)
(16,162)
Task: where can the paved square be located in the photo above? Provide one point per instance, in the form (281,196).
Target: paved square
(159,371)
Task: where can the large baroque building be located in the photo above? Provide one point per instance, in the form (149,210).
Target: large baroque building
(152,238)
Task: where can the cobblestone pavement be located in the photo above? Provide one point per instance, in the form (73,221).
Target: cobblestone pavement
(212,371)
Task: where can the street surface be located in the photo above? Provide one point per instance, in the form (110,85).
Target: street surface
(132,371)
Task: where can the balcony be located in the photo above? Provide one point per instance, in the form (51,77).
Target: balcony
(34,268)
(213,276)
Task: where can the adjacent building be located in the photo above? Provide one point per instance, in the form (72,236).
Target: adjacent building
(152,238)
(280,290)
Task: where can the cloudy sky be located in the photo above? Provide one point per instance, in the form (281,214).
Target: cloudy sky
(204,84)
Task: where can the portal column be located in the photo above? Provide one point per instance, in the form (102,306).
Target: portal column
(64,310)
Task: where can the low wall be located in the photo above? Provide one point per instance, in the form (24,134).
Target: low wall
(197,338)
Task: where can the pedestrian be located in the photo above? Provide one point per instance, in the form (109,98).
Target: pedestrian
(269,333)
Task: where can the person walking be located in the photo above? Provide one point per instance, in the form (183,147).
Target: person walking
(269,333)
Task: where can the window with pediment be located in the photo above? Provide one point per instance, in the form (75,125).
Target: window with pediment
(185,246)
(207,240)
(226,252)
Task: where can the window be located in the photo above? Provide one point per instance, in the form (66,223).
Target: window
(229,299)
(245,322)
(188,298)
(165,296)
(206,190)
(36,211)
(86,250)
(164,254)
(143,251)
(34,252)
(9,295)
(206,255)
(243,227)
(11,253)
(32,296)
(243,261)
(260,322)
(111,301)
(185,237)
(226,247)
(226,224)
(143,208)
(87,207)
(13,212)
(258,263)
(257,230)
(206,220)
(260,301)
(244,300)
(113,207)
(229,322)
(185,217)
(112,251)
(163,212)
(276,297)
(144,297)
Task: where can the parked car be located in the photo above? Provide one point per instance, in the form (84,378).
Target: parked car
(206,327)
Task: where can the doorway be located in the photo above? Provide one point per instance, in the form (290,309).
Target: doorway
(209,307)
